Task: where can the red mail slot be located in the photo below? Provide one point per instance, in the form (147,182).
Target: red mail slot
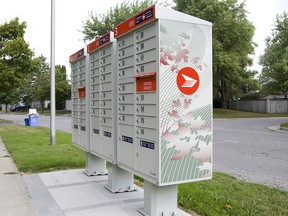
(81,92)
(146,82)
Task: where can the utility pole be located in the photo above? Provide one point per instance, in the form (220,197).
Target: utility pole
(52,77)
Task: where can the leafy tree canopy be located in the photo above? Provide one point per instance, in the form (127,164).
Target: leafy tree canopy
(232,43)
(99,24)
(16,58)
(274,61)
(38,87)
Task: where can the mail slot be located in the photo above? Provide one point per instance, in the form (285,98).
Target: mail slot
(81,92)
(146,83)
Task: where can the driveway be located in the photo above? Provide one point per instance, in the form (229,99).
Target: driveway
(244,148)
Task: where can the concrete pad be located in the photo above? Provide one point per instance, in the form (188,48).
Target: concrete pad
(72,193)
(67,177)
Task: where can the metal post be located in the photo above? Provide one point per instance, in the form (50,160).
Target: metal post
(52,76)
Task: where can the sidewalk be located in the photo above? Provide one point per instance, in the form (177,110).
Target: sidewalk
(62,193)
(14,196)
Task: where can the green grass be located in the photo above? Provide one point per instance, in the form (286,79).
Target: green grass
(284,125)
(223,195)
(226,113)
(31,152)
(3,121)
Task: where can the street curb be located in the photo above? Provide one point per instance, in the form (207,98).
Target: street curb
(278,128)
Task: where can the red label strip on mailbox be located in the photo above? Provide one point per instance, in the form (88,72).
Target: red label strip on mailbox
(98,42)
(79,54)
(135,21)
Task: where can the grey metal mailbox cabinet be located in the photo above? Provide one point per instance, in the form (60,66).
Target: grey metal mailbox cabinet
(103,110)
(164,97)
(103,101)
(78,96)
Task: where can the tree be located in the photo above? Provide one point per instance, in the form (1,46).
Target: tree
(38,87)
(63,88)
(99,24)
(274,77)
(16,58)
(232,44)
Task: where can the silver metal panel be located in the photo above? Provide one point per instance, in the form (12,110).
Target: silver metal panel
(106,69)
(106,121)
(126,98)
(126,73)
(106,77)
(123,53)
(146,121)
(125,62)
(125,41)
(106,113)
(145,33)
(106,104)
(146,133)
(146,45)
(146,67)
(148,110)
(126,88)
(145,57)
(126,119)
(126,109)
(146,98)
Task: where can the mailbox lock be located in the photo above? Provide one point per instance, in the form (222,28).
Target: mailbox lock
(137,121)
(137,154)
(137,98)
(119,118)
(119,74)
(138,132)
(120,109)
(137,109)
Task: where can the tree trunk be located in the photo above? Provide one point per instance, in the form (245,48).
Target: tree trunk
(6,108)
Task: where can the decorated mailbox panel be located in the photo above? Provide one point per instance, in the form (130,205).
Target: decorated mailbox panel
(165,96)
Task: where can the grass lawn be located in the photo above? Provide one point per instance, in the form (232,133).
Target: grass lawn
(284,125)
(30,149)
(226,113)
(223,195)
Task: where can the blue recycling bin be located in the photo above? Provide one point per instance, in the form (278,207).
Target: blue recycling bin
(26,121)
(33,121)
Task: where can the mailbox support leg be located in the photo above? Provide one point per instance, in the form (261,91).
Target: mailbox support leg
(95,165)
(160,201)
(119,180)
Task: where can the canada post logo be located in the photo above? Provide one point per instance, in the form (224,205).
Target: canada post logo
(188,80)
(144,16)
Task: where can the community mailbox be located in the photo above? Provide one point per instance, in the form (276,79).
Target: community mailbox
(78,96)
(103,110)
(165,96)
(103,98)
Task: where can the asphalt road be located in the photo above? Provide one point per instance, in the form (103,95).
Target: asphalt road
(61,122)
(244,148)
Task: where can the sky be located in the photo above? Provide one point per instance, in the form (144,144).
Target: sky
(70,14)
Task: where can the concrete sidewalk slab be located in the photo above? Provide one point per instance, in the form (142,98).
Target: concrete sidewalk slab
(14,197)
(72,193)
